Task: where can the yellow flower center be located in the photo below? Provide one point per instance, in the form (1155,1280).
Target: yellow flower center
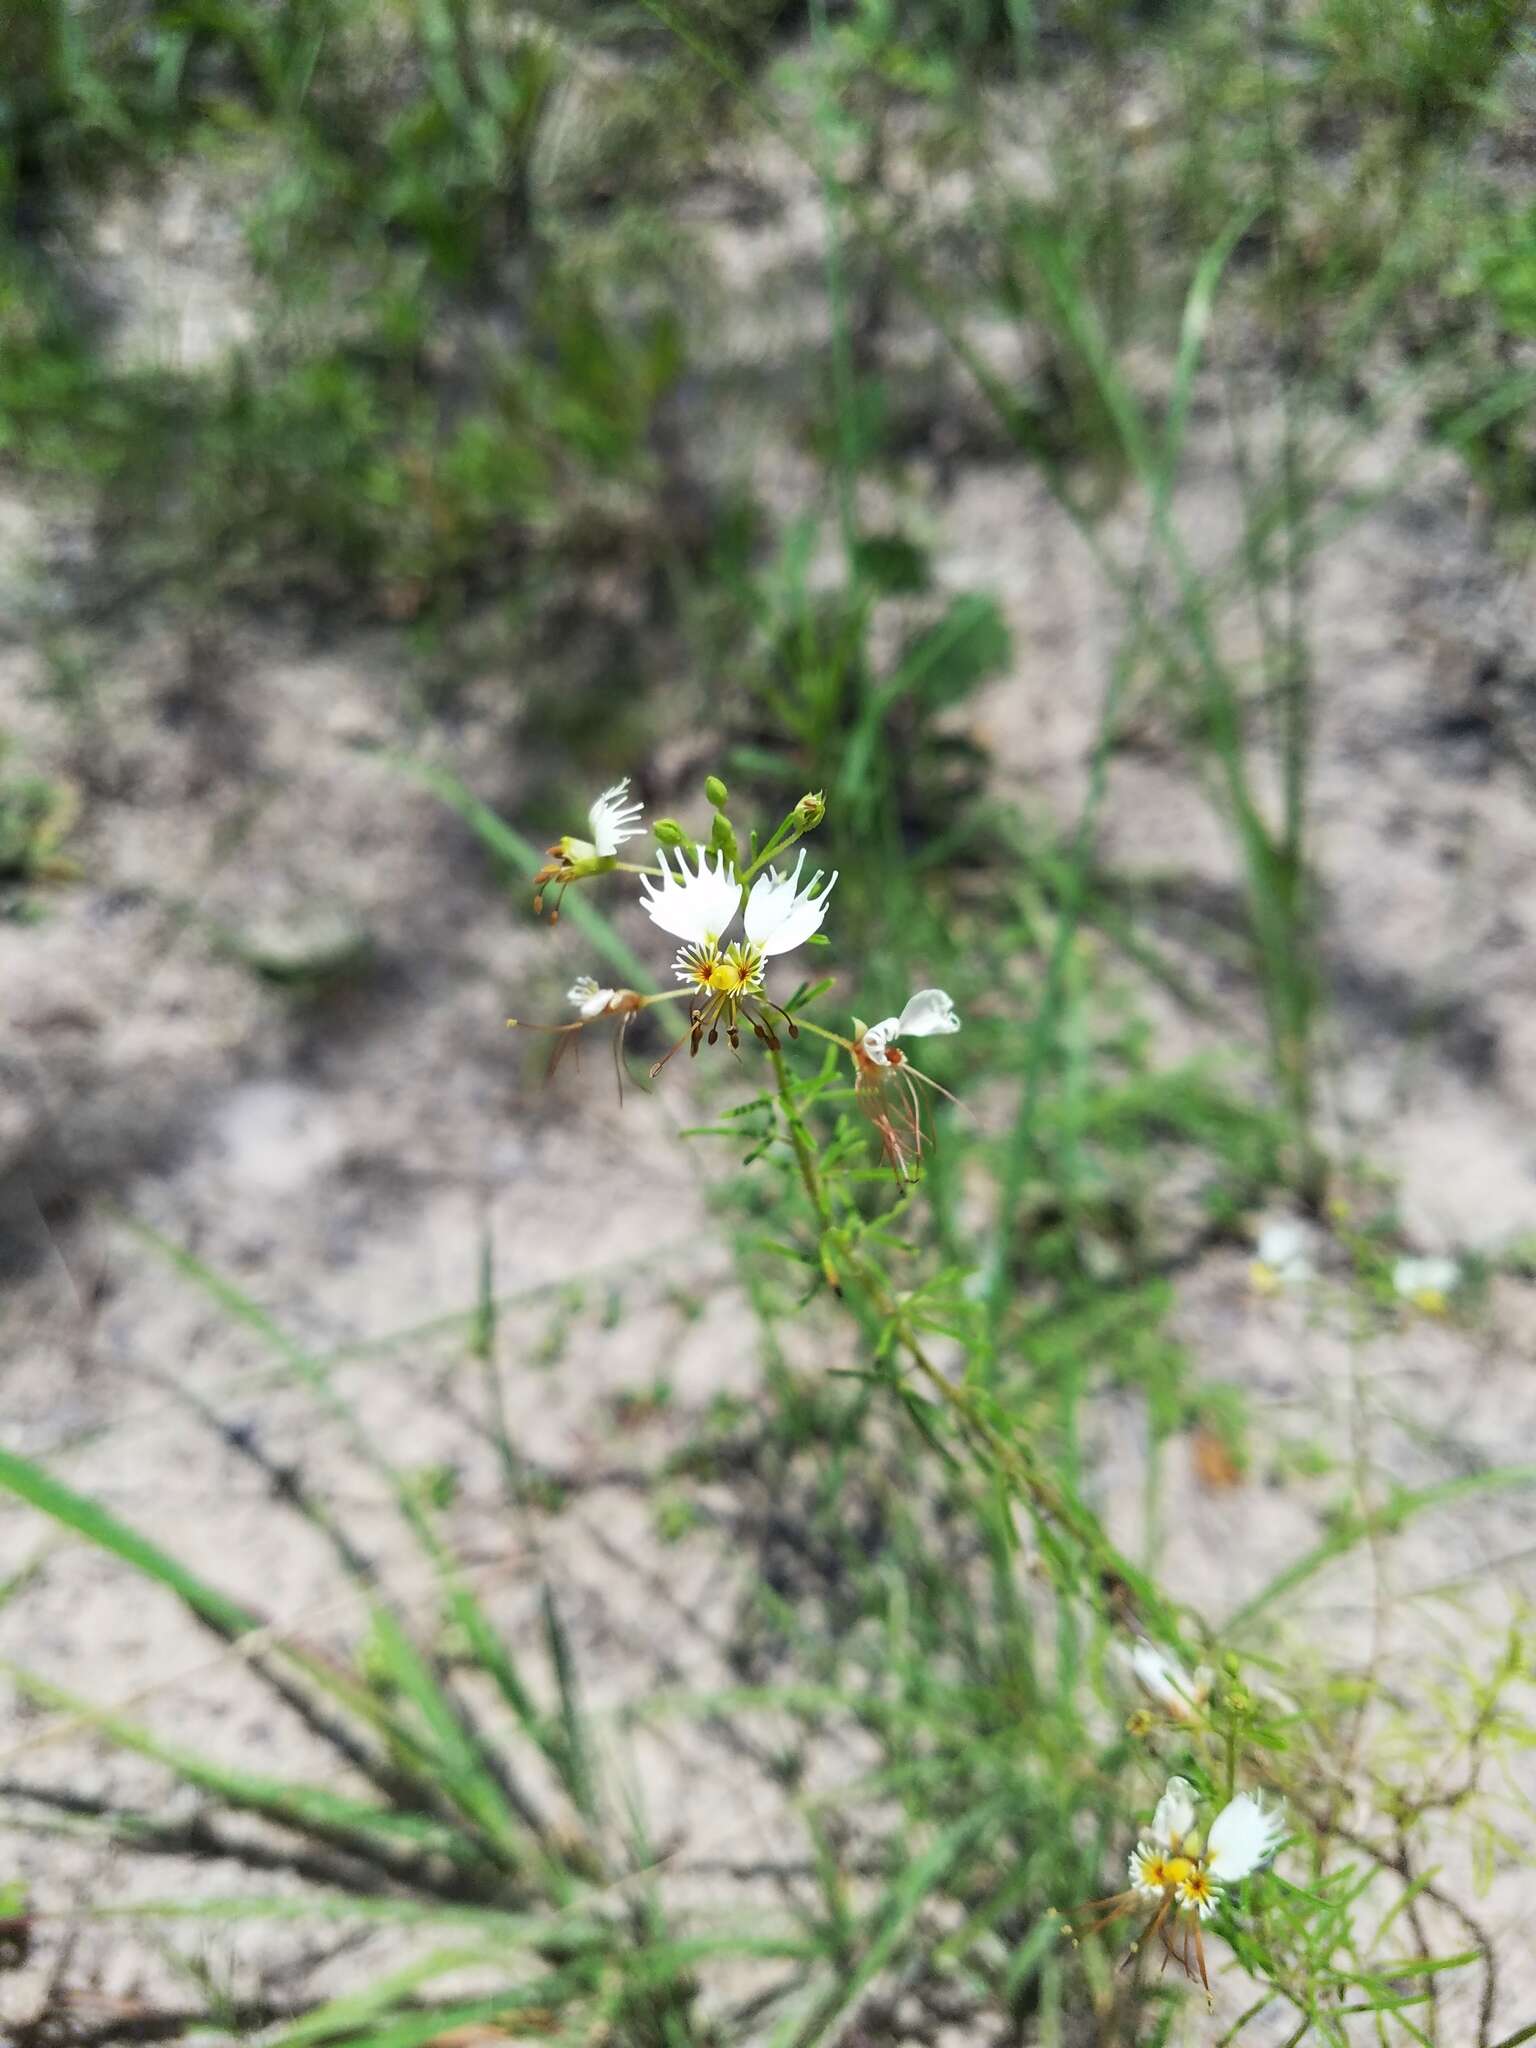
(733,972)
(1195,1887)
(738,971)
(1178,1870)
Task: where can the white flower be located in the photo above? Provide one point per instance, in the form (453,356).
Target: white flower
(612,820)
(693,907)
(780,914)
(1183,1881)
(1167,1684)
(1243,1835)
(699,907)
(1427,1283)
(927,1014)
(587,997)
(1174,1817)
(1284,1254)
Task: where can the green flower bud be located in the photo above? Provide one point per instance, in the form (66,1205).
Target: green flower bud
(722,839)
(669,833)
(811,809)
(716,791)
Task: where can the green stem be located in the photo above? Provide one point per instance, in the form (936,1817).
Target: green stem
(1020,1464)
(800,1138)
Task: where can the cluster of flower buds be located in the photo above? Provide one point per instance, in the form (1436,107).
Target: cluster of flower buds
(733,913)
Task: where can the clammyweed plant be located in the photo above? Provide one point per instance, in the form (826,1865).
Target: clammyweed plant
(937,1631)
(723,978)
(1243,1758)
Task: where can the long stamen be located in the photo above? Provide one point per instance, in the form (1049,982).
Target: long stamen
(1200,1957)
(1156,1925)
(689,1033)
(917,1113)
(1107,1911)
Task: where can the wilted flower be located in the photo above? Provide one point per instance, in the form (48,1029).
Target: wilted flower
(585,994)
(1184,1878)
(611,820)
(885,1074)
(1427,1284)
(928,1014)
(591,1002)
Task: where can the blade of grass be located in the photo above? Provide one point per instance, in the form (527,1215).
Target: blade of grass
(1388,1519)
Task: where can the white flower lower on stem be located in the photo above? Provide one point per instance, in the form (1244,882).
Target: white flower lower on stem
(1283,1255)
(1427,1283)
(928,1014)
(1166,1683)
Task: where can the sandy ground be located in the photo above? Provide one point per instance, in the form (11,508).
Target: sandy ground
(343,1160)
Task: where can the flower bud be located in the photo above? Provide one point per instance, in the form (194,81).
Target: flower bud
(811,809)
(722,839)
(715,790)
(669,833)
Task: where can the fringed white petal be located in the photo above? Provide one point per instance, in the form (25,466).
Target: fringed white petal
(1244,1834)
(694,907)
(780,914)
(612,820)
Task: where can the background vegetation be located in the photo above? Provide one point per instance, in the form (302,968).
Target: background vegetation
(492,398)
